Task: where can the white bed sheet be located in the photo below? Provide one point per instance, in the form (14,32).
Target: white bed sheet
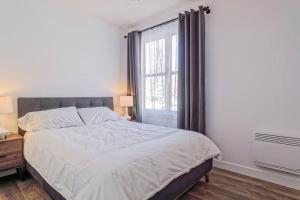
(115,160)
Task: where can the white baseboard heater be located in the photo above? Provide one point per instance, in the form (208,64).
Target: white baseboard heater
(277,152)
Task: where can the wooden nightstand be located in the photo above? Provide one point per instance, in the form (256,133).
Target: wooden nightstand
(11,154)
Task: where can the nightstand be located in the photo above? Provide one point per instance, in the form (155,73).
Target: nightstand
(11,154)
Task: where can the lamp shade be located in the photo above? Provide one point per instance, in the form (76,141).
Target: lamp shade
(6,105)
(126,101)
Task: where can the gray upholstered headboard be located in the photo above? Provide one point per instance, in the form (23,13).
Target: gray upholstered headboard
(26,105)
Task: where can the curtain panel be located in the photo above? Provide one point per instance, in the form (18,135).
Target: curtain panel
(191,71)
(133,72)
(159,75)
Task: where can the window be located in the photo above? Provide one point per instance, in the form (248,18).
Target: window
(160,71)
(160,68)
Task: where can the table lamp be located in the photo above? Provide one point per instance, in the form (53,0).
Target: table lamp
(5,107)
(126,101)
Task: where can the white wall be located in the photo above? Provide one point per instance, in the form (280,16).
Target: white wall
(252,82)
(253,68)
(48,49)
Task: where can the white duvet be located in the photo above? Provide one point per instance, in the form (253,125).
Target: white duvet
(115,160)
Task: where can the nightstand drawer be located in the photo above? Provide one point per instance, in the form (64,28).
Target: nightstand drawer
(11,161)
(10,147)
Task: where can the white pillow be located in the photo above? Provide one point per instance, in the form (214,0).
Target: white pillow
(50,119)
(97,115)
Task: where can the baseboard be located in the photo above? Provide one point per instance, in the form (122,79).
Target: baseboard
(8,172)
(260,174)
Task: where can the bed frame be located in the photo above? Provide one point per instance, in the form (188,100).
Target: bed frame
(172,191)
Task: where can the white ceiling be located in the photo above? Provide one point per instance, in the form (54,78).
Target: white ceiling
(125,13)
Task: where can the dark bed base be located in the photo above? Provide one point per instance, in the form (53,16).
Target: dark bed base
(172,191)
(184,182)
(50,190)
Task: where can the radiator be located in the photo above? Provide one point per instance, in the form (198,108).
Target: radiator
(277,152)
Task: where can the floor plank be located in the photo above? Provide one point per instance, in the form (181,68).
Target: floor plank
(228,185)
(224,185)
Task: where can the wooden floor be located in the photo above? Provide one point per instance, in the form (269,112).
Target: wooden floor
(223,185)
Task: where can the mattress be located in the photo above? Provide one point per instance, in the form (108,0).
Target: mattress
(116,159)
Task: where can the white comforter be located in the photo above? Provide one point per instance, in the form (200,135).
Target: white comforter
(115,160)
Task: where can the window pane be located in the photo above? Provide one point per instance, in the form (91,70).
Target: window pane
(174,53)
(155,57)
(174,92)
(155,92)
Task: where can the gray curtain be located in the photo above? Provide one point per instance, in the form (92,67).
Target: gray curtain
(133,72)
(191,71)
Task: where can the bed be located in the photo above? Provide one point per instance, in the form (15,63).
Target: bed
(128,160)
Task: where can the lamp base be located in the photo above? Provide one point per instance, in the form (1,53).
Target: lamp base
(127,117)
(3,137)
(3,133)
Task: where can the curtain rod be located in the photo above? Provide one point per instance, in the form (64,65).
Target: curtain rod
(206,9)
